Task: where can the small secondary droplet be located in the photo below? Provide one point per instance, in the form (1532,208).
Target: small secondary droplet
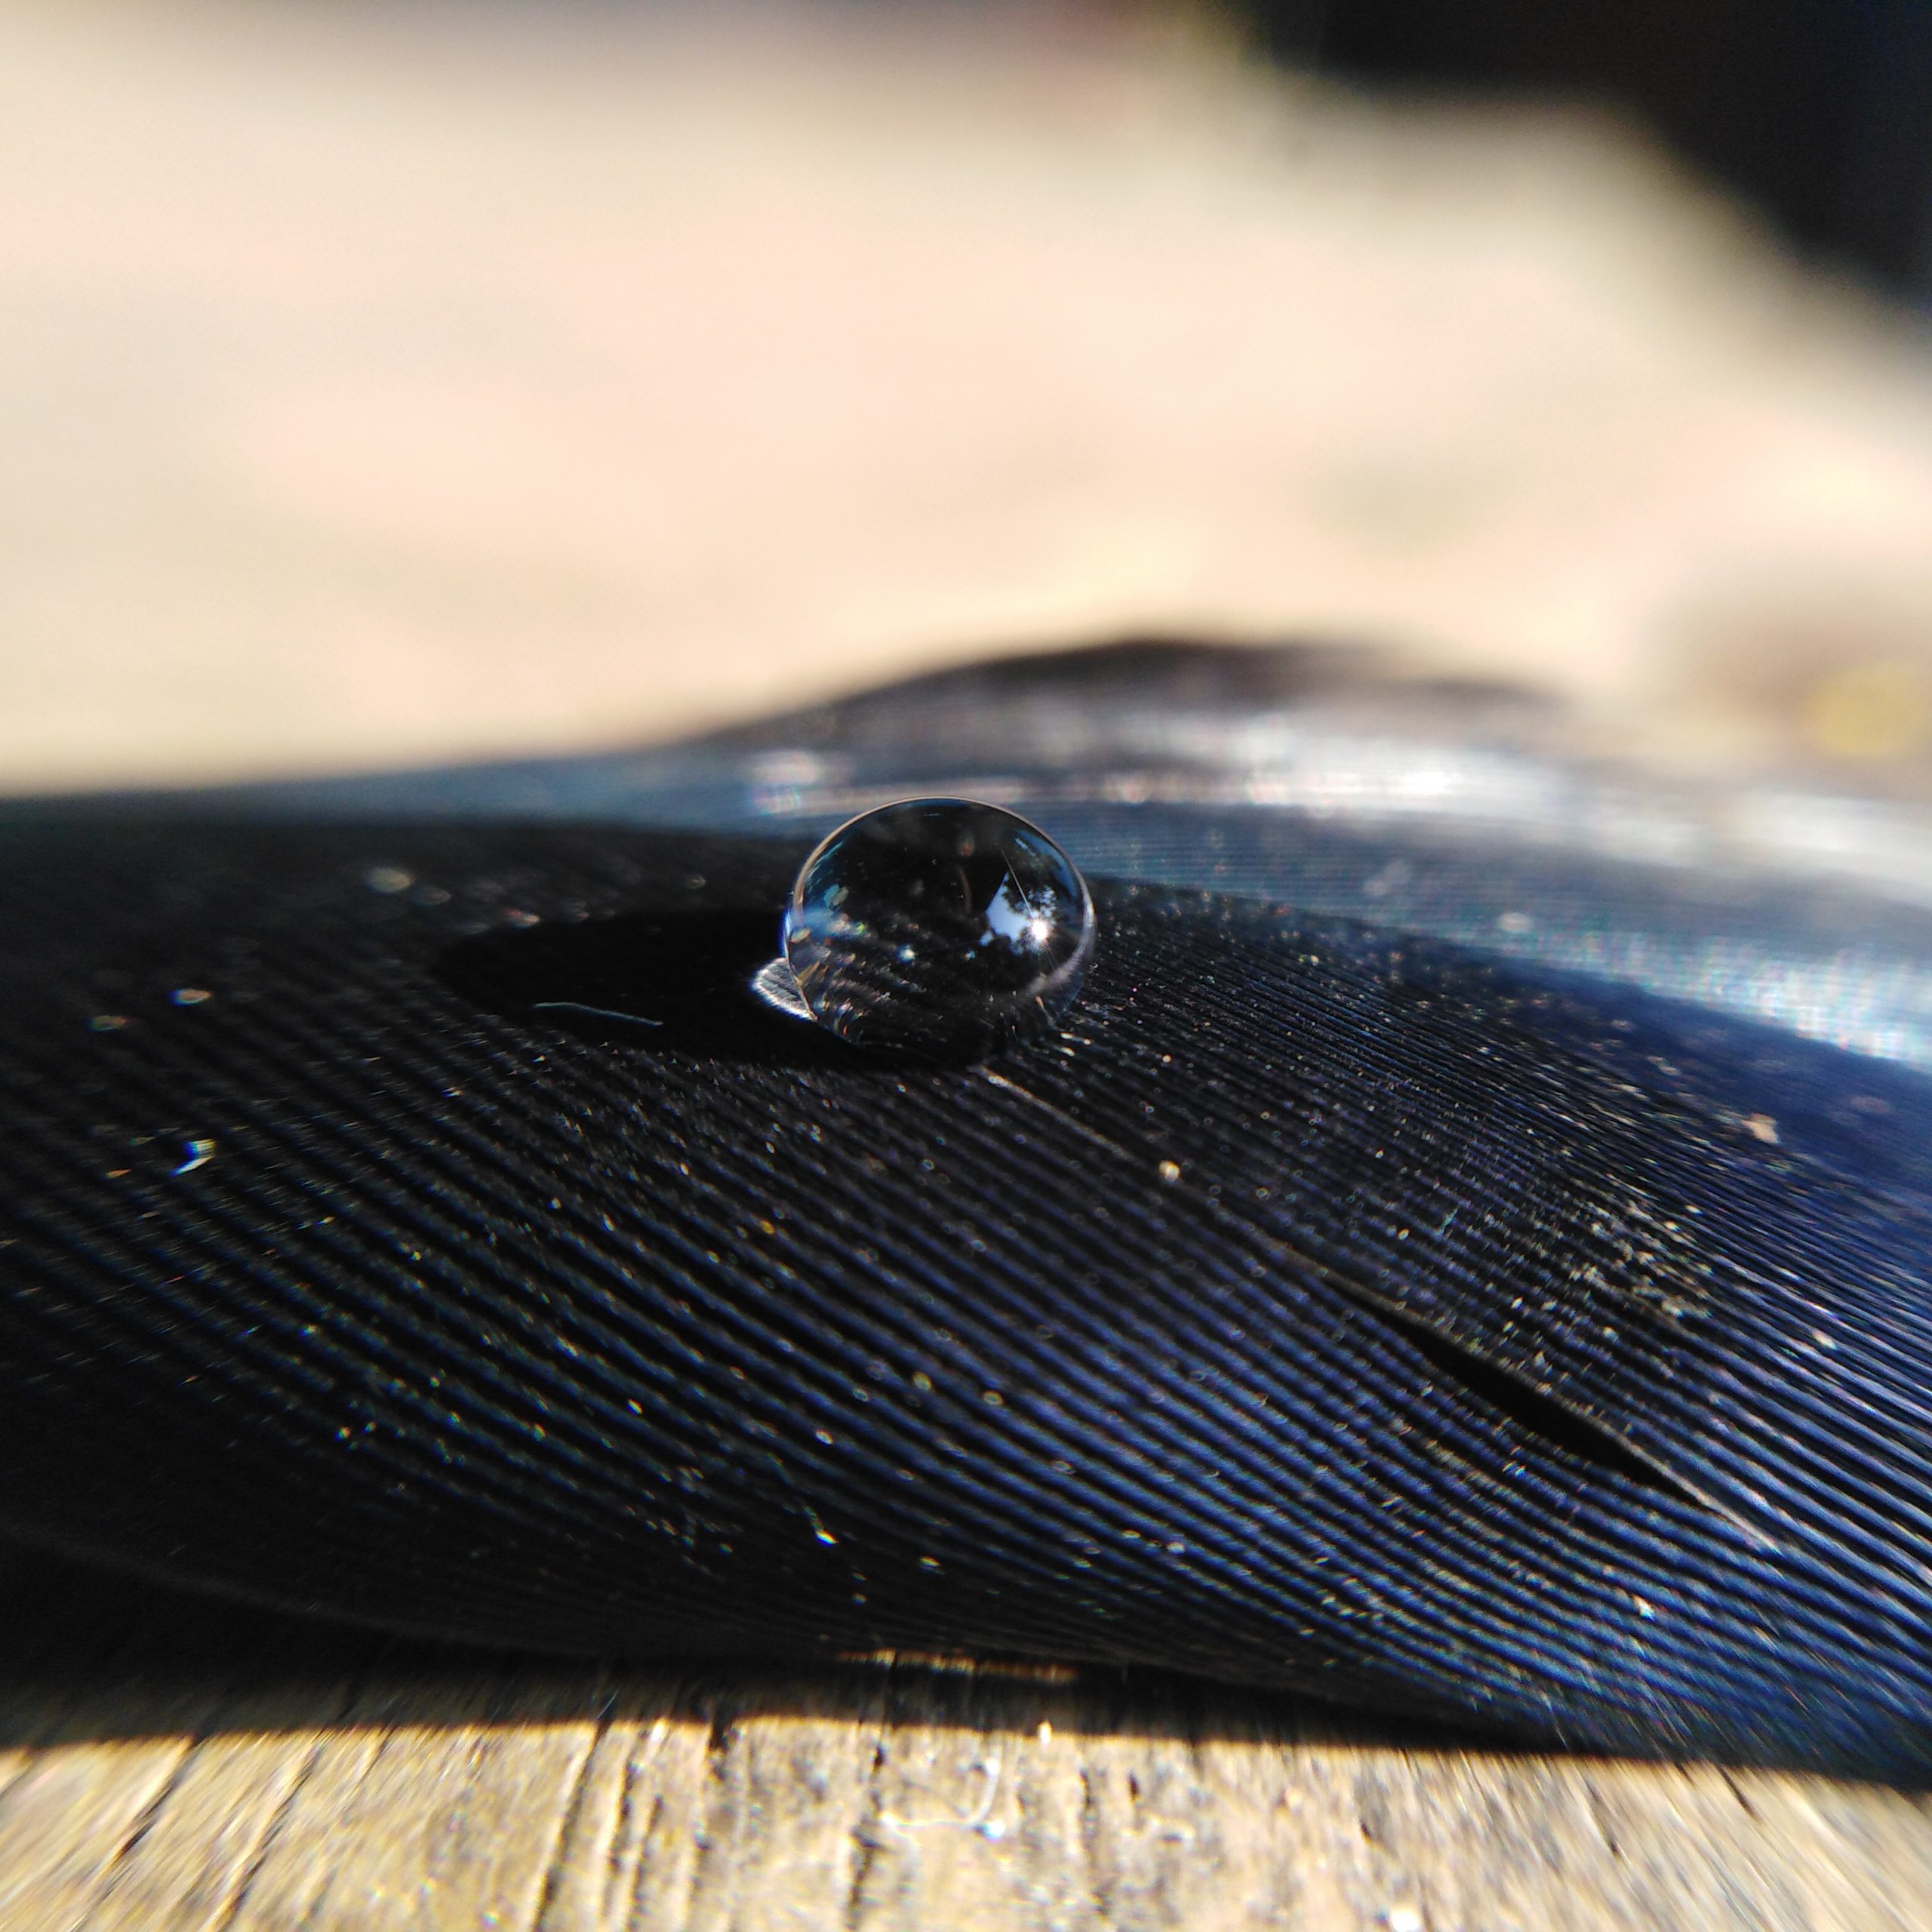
(939,927)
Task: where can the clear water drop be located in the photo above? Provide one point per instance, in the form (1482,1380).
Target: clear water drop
(939,927)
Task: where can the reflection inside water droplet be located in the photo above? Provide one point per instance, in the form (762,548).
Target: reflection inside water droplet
(938,926)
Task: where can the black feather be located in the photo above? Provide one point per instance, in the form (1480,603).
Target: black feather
(1328,1308)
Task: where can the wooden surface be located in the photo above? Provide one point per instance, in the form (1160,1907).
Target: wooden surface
(166,1764)
(391,384)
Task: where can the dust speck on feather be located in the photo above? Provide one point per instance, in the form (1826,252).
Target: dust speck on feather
(200,1153)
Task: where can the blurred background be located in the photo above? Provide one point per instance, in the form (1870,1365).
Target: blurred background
(383,384)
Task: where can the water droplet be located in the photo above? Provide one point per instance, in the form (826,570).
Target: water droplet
(939,927)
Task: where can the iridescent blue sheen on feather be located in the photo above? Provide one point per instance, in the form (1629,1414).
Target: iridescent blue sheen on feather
(1332,1306)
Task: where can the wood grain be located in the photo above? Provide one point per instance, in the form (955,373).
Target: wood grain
(168,1765)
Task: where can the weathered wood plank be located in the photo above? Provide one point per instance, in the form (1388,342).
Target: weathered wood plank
(174,1766)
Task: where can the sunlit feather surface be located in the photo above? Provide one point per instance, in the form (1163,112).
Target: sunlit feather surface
(1332,1306)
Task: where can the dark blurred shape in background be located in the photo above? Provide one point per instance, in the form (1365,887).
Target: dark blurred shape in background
(1818,111)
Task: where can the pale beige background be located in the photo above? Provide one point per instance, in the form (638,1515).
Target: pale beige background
(387,383)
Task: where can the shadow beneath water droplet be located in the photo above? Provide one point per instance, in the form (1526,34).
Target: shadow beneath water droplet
(650,981)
